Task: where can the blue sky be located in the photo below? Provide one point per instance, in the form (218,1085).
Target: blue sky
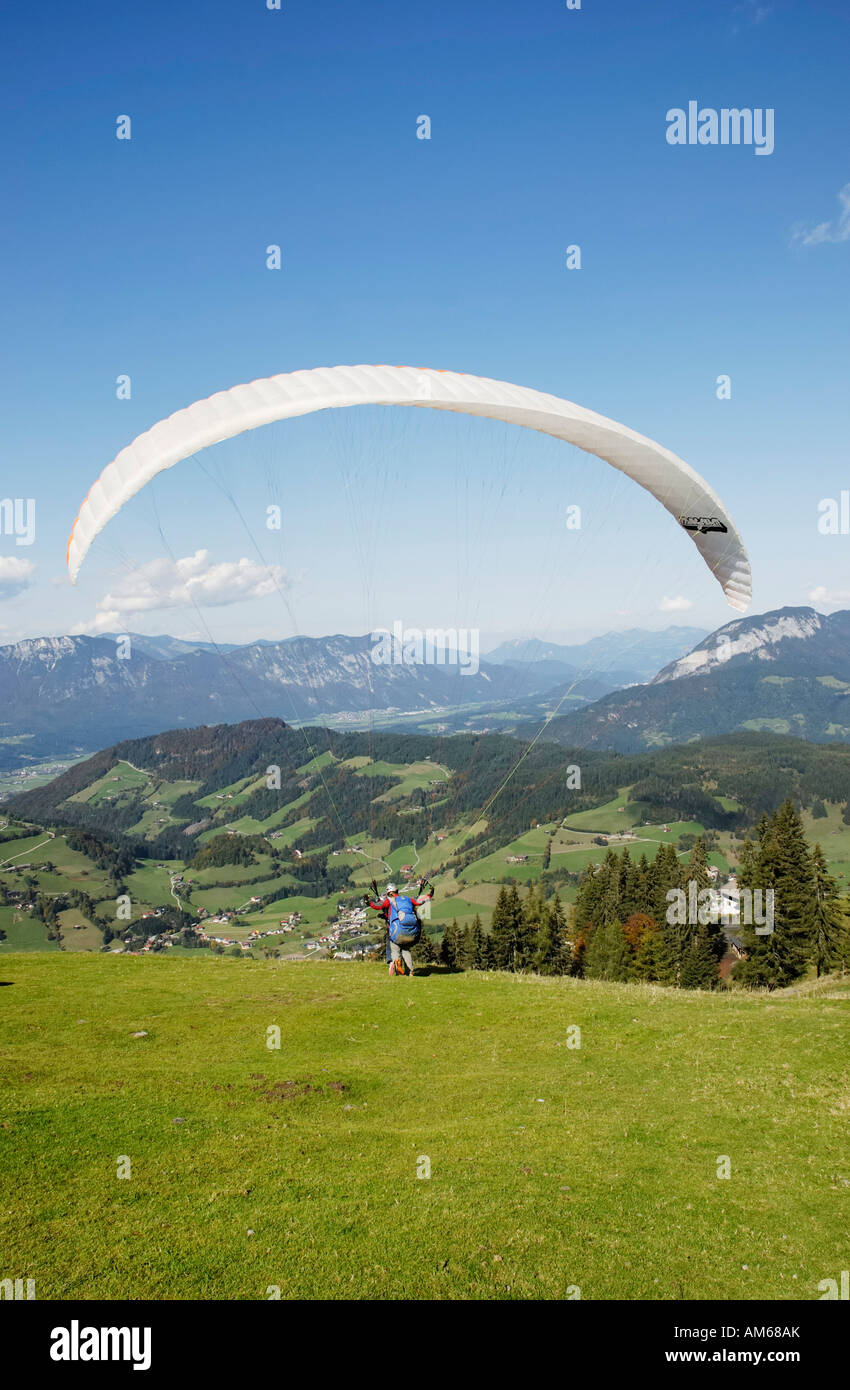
(298,127)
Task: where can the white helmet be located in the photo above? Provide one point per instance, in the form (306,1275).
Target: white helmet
(391,888)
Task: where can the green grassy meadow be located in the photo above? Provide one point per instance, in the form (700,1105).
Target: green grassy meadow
(551,1167)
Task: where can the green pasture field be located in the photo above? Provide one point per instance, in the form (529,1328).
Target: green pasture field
(87,938)
(216,899)
(833,836)
(610,818)
(23,932)
(239,873)
(501,1164)
(249,825)
(119,779)
(151,886)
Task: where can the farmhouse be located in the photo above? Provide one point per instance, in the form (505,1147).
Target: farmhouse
(734,952)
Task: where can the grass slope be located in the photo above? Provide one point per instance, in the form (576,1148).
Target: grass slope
(550,1167)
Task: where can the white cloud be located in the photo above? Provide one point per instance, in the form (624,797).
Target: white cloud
(751,12)
(679,604)
(15,575)
(837,230)
(830,597)
(194,579)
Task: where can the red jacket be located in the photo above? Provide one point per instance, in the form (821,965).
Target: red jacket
(383,904)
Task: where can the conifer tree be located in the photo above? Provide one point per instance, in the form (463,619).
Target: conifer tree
(500,935)
(747,860)
(528,928)
(519,930)
(697,866)
(429,950)
(625,867)
(711,928)
(475,960)
(829,928)
(587,909)
(609,906)
(652,962)
(553,952)
(449,949)
(425,952)
(667,876)
(488,960)
(465,948)
(559,928)
(608,955)
(632,889)
(677,932)
(507,930)
(699,963)
(779,861)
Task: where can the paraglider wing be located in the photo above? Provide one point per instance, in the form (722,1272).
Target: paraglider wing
(676,486)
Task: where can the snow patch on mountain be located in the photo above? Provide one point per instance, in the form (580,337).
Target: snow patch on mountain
(757,637)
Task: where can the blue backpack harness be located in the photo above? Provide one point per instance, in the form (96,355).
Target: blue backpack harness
(403,924)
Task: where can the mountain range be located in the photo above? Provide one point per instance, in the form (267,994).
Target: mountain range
(64,695)
(625,658)
(787,671)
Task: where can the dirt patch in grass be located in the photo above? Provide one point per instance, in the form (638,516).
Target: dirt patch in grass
(290,1090)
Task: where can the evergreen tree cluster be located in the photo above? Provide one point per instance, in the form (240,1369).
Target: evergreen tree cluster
(228,849)
(810,928)
(116,859)
(527,934)
(626,927)
(634,920)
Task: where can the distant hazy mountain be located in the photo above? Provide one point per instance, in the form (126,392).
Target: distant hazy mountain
(163,648)
(787,671)
(59,695)
(622,658)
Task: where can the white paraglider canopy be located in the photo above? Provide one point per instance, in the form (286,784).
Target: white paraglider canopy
(228,413)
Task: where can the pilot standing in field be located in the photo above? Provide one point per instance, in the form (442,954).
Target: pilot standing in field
(403,926)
